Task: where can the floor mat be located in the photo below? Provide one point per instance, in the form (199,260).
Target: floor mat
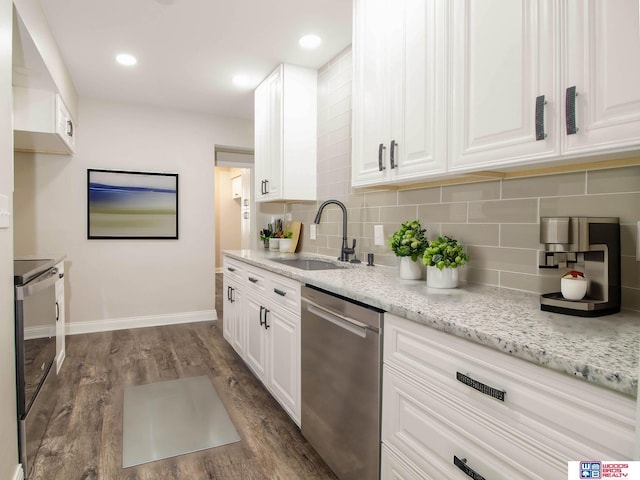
(165,419)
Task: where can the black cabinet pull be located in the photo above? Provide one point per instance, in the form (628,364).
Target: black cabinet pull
(231,269)
(253,280)
(461,463)
(229,293)
(233,295)
(280,292)
(540,103)
(570,107)
(381,148)
(266,187)
(481,387)
(392,154)
(57,311)
(266,325)
(262,309)
(69,128)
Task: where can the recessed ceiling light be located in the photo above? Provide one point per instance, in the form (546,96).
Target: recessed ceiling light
(242,80)
(126,59)
(310,41)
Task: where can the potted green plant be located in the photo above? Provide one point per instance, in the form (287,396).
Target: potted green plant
(409,243)
(442,257)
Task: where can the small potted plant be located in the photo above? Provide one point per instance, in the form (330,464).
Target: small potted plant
(442,257)
(409,243)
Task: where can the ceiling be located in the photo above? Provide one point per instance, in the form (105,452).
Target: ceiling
(189,50)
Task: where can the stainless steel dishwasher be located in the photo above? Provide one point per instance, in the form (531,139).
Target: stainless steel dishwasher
(341,380)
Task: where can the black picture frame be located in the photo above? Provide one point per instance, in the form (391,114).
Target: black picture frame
(132,205)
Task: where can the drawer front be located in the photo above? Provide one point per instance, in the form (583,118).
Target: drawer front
(233,269)
(256,279)
(394,467)
(568,413)
(285,293)
(432,429)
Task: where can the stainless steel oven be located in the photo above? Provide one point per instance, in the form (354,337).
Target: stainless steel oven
(35,331)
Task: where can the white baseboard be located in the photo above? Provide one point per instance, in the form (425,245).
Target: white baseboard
(19,475)
(75,328)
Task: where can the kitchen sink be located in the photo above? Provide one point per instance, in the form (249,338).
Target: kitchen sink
(307,263)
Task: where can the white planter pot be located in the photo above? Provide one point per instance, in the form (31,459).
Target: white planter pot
(445,278)
(274,244)
(410,270)
(285,244)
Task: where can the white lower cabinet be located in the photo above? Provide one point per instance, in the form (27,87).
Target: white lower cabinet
(453,408)
(60,317)
(262,323)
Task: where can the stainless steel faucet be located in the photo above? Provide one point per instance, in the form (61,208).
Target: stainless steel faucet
(345,251)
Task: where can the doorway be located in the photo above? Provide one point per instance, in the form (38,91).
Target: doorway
(234,206)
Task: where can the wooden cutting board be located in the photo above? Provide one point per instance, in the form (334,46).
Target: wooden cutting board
(294,227)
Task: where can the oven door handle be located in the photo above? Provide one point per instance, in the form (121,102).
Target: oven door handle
(43,282)
(349,324)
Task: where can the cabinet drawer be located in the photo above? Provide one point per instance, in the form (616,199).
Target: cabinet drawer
(430,428)
(572,416)
(257,279)
(285,293)
(233,269)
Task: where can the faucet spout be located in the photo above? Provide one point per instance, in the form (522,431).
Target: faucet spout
(345,250)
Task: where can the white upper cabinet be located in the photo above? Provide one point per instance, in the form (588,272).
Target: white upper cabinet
(504,60)
(602,62)
(398,92)
(41,122)
(285,135)
(463,86)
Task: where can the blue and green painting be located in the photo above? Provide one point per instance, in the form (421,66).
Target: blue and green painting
(131,205)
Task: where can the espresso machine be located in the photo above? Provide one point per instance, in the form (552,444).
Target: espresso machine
(590,245)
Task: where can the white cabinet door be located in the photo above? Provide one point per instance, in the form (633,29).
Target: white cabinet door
(60,318)
(417,138)
(399,96)
(256,347)
(285,135)
(284,359)
(603,64)
(503,57)
(233,326)
(370,125)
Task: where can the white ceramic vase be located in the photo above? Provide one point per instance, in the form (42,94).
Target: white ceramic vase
(285,244)
(410,270)
(274,244)
(445,278)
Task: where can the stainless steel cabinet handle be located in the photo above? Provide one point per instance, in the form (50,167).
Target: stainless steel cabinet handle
(253,280)
(481,387)
(540,103)
(570,107)
(461,463)
(279,292)
(392,154)
(381,148)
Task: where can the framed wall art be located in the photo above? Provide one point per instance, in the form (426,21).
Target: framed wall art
(131,205)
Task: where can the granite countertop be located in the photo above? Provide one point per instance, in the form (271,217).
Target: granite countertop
(602,350)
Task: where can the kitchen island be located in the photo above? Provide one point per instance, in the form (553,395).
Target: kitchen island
(602,350)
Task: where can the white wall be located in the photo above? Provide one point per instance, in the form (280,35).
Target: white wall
(120,279)
(8,422)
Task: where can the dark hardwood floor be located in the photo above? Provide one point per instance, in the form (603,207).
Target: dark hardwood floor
(84,438)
